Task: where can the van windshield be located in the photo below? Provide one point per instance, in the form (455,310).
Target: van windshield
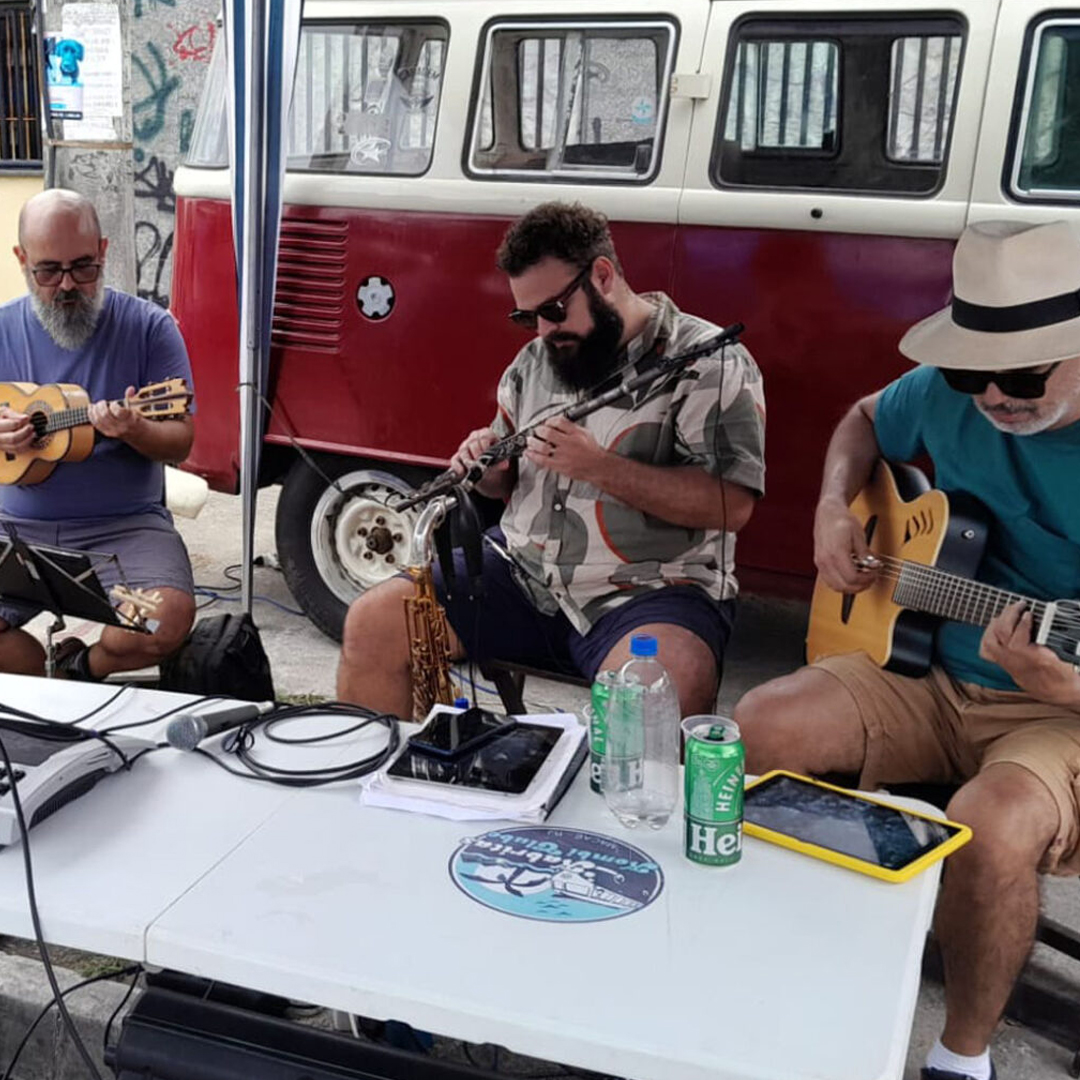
(365,100)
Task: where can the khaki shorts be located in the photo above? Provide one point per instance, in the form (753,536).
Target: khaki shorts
(938,730)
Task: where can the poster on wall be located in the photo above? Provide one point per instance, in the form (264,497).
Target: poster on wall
(85,70)
(63,76)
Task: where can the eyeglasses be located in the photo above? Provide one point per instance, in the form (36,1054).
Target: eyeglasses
(553,310)
(1015,384)
(81,273)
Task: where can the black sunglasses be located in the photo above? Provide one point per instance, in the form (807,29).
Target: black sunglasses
(1015,384)
(553,310)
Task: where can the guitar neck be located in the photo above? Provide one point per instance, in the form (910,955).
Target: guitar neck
(925,588)
(63,419)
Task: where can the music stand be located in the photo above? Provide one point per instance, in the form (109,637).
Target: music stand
(62,582)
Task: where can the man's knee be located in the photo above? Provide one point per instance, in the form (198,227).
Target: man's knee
(804,722)
(767,724)
(1013,819)
(376,619)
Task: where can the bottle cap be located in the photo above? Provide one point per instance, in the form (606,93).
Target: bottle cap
(643,645)
(461,703)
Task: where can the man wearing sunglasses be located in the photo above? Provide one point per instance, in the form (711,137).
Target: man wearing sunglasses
(995,404)
(70,329)
(621,523)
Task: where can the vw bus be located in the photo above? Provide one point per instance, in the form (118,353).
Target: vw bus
(804,168)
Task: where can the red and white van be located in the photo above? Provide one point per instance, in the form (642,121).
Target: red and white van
(801,167)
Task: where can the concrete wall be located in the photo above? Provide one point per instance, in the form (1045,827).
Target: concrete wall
(171,44)
(167,49)
(14,191)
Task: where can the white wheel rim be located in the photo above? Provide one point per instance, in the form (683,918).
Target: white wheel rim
(353,549)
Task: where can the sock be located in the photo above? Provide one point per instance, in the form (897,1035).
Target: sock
(941,1057)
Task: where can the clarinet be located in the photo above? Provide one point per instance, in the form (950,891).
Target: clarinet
(514,445)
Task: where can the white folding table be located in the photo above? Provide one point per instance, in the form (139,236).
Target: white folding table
(779,968)
(107,864)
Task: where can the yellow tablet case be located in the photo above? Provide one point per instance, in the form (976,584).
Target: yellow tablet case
(957,840)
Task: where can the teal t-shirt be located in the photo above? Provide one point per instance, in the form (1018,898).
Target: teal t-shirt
(1029,483)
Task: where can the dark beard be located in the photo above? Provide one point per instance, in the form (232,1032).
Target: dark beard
(580,362)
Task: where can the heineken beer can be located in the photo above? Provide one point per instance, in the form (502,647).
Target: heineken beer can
(596,714)
(715,771)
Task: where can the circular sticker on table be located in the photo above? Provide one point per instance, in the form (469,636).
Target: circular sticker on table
(555,875)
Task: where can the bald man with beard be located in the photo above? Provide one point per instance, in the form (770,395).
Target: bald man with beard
(70,328)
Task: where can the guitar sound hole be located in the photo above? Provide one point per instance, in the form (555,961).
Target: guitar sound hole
(40,423)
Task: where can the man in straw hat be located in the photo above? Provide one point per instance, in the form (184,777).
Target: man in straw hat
(995,404)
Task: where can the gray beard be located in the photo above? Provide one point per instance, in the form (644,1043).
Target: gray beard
(71,327)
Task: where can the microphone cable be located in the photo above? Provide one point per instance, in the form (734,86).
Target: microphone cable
(35,918)
(135,970)
(240,743)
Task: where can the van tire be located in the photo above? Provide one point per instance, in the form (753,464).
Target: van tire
(320,532)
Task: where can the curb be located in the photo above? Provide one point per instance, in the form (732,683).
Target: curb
(50,1054)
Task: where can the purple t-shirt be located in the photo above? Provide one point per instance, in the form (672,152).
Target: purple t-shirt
(135,343)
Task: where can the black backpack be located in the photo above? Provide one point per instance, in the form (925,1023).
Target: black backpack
(223,655)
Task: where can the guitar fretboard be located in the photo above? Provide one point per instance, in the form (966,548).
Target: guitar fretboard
(925,588)
(67,418)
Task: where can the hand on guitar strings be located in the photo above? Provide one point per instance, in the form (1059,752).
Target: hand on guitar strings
(114,419)
(1008,642)
(16,430)
(841,554)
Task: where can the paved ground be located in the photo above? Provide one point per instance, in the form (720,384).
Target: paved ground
(768,642)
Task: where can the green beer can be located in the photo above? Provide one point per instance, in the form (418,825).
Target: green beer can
(597,717)
(714,776)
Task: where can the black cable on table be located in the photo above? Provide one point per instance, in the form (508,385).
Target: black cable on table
(241,742)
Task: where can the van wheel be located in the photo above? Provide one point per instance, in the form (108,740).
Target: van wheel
(336,536)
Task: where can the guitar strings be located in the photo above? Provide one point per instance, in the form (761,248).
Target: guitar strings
(966,591)
(80,414)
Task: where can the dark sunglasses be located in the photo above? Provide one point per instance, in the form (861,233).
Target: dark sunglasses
(81,273)
(1014,384)
(553,310)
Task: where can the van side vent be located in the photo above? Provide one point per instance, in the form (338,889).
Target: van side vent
(309,303)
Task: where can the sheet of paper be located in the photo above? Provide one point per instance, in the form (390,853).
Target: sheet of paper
(91,41)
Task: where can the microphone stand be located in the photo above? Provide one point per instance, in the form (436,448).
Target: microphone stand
(514,445)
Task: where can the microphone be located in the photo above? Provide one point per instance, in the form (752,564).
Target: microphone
(186,730)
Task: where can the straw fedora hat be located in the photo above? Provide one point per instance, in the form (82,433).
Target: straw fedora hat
(1016,300)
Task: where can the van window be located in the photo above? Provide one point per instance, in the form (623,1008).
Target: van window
(843,104)
(366,98)
(210,137)
(922,86)
(574,101)
(784,96)
(1047,166)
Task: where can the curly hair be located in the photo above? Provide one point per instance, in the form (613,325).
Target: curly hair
(557,230)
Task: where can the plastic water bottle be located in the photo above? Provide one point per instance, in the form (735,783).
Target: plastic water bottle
(641,759)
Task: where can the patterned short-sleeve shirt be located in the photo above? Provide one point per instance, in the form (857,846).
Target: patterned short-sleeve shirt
(585,551)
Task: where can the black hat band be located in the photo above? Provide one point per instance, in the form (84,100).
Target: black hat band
(1008,320)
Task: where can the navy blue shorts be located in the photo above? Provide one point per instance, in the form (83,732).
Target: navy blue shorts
(505,625)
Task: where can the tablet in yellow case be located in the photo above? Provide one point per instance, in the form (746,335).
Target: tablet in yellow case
(847,827)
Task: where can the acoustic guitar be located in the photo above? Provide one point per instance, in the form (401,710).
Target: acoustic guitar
(62,430)
(930,545)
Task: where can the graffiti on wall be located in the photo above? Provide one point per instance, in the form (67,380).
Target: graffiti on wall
(169,63)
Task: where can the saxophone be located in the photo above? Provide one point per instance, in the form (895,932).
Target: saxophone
(425,620)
